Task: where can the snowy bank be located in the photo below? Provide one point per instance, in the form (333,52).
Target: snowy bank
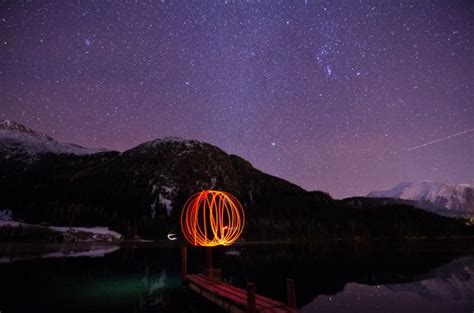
(18,231)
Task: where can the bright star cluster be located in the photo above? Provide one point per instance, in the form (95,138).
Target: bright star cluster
(326,94)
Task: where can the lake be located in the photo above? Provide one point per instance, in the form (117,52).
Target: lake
(380,276)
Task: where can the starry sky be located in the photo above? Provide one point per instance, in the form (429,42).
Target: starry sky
(330,95)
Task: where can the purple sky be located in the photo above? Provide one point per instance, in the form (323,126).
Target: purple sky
(329,95)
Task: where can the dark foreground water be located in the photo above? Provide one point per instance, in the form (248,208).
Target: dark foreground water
(415,276)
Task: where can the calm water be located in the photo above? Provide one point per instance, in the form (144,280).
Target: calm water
(380,277)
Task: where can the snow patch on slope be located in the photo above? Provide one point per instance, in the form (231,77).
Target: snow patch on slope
(187,143)
(6,215)
(164,195)
(97,232)
(166,203)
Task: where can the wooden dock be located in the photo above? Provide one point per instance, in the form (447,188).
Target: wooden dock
(233,299)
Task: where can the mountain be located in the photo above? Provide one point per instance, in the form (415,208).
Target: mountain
(22,147)
(140,192)
(445,199)
(18,140)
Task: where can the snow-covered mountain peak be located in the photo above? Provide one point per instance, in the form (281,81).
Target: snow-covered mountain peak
(177,144)
(12,125)
(17,128)
(18,139)
(187,142)
(433,195)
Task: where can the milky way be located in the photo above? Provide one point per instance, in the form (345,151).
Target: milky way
(328,95)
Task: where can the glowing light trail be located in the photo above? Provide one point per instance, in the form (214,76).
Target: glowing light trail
(441,139)
(212,218)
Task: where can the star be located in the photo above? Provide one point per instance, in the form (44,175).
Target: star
(328,70)
(340,87)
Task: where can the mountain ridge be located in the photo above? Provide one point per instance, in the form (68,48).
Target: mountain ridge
(18,139)
(446,199)
(139,192)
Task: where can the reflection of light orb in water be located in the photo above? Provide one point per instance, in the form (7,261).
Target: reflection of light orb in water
(212,218)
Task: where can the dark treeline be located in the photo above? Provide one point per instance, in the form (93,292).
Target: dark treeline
(125,191)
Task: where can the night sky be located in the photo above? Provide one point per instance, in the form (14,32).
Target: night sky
(329,95)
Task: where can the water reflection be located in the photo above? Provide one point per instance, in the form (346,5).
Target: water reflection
(115,279)
(451,289)
(154,287)
(146,278)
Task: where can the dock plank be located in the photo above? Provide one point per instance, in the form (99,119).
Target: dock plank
(232,298)
(260,300)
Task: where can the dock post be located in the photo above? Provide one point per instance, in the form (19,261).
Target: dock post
(184,263)
(209,262)
(251,305)
(290,292)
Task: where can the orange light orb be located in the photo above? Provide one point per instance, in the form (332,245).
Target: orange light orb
(210,218)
